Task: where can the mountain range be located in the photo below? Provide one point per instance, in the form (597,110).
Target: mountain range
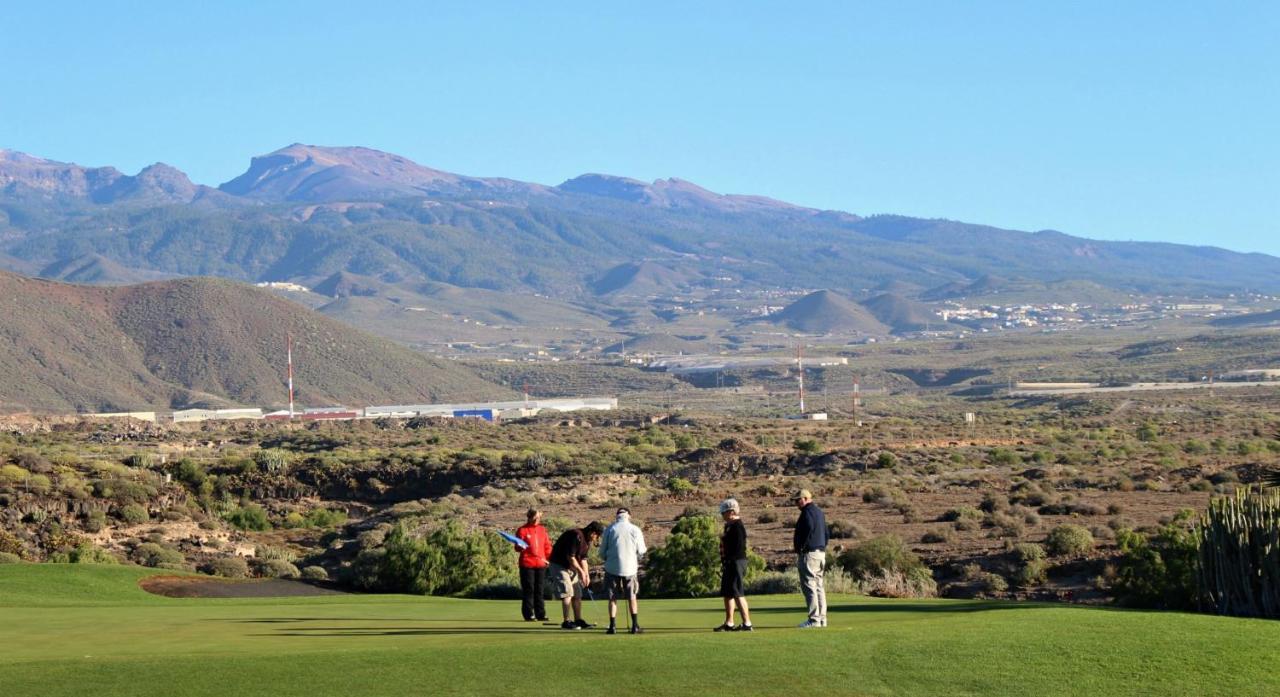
(304,213)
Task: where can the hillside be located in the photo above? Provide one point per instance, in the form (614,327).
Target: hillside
(642,278)
(1253,319)
(95,269)
(901,314)
(196,341)
(828,312)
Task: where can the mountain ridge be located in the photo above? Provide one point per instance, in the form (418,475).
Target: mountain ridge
(307,212)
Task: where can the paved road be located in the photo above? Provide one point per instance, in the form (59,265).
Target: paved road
(1144,387)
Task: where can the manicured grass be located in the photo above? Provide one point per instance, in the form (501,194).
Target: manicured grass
(82,630)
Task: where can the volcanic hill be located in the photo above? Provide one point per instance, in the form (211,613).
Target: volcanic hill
(197,341)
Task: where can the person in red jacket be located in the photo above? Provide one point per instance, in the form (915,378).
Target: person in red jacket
(533,567)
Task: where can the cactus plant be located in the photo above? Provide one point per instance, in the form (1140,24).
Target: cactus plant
(1240,554)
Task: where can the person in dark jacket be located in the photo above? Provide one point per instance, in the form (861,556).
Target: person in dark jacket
(533,566)
(733,568)
(568,574)
(810,543)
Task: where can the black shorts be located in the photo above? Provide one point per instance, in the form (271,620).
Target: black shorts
(733,579)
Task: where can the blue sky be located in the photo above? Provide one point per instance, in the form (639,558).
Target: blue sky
(1133,120)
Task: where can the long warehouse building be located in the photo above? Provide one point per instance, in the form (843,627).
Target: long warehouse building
(518,407)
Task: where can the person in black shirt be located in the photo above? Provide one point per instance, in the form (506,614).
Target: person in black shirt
(568,575)
(810,542)
(733,568)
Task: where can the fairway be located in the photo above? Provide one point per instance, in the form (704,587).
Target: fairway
(84,630)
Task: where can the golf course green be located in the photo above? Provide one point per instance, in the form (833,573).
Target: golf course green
(90,630)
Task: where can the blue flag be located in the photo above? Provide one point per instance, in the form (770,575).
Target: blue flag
(513,539)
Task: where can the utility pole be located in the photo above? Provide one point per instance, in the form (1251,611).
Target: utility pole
(800,368)
(289,360)
(857,400)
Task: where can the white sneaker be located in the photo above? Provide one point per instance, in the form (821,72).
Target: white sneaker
(822,622)
(809,624)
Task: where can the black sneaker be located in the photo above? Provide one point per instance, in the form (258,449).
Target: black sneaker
(528,619)
(726,627)
(582,624)
(743,628)
(569,625)
(637,629)
(542,619)
(611,630)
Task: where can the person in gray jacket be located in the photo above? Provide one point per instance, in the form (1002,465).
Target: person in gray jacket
(621,547)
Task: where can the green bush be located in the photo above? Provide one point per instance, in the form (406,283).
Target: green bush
(134,514)
(936,536)
(450,560)
(808,446)
(963,513)
(689,562)
(95,521)
(10,558)
(155,555)
(1195,447)
(191,473)
(1069,540)
(1028,551)
(249,517)
(987,582)
(886,553)
(277,568)
(84,553)
(679,486)
(268,552)
(846,530)
(1004,456)
(228,567)
(1032,573)
(1159,570)
(314,573)
(886,460)
(273,460)
(13,475)
(774,583)
(326,517)
(10,544)
(316,518)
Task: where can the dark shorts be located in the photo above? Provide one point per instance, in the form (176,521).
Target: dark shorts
(733,579)
(621,587)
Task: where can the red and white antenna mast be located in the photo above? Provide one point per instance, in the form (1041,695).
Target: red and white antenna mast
(800,368)
(289,359)
(526,394)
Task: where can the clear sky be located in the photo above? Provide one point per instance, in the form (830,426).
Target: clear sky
(1115,120)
